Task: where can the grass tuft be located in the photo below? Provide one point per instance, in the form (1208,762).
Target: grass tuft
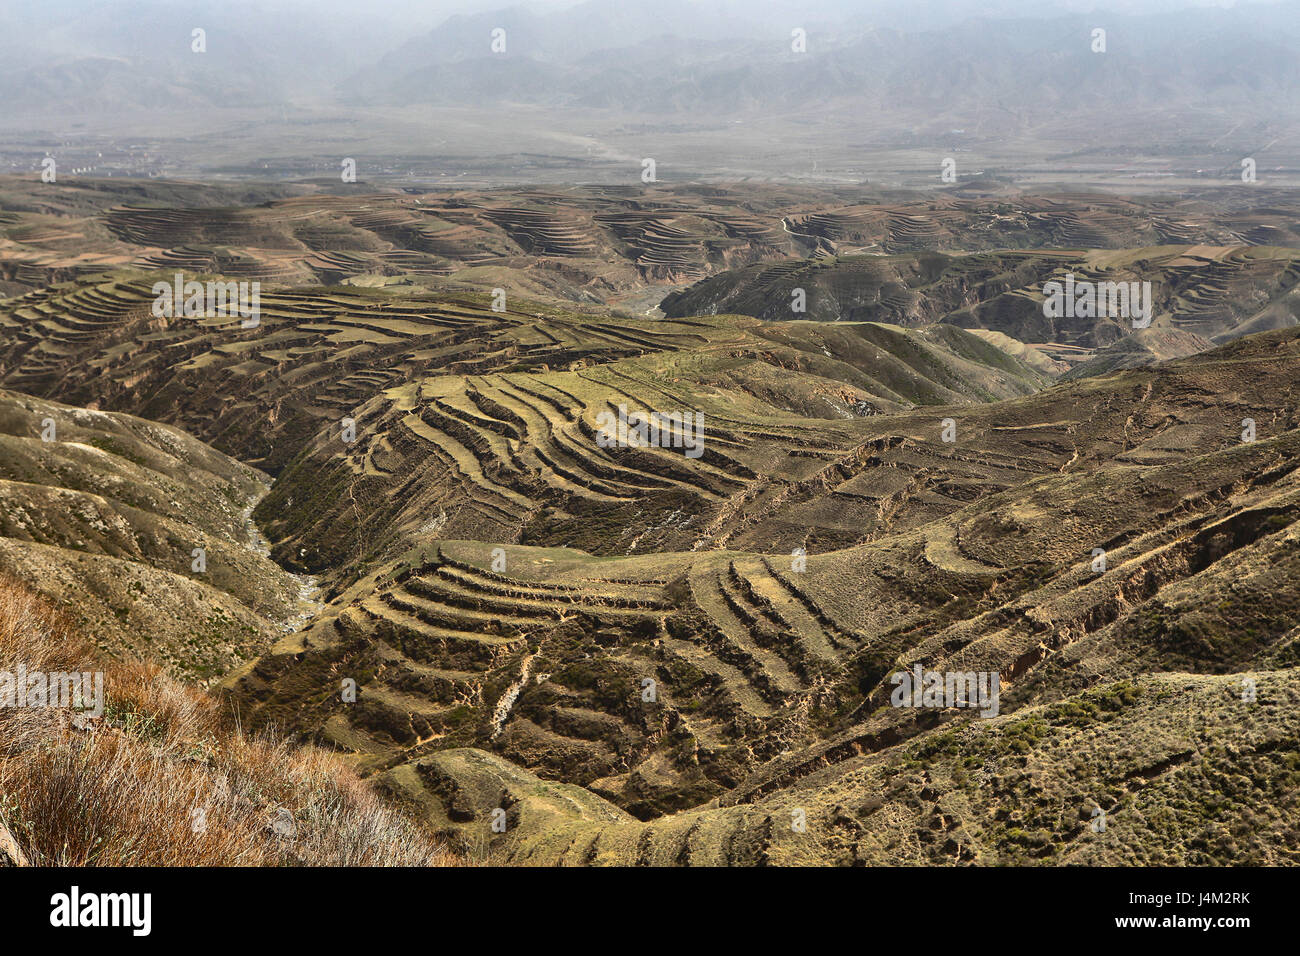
(166,778)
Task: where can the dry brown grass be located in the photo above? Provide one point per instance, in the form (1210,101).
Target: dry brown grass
(165,778)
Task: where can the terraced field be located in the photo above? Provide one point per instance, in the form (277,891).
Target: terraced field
(515,456)
(1214,292)
(600,246)
(770,673)
(313,359)
(317,357)
(645,655)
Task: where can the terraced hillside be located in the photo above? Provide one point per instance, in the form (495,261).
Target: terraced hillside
(771,671)
(1214,292)
(515,456)
(316,358)
(680,650)
(1142,347)
(596,246)
(103,514)
(1185,772)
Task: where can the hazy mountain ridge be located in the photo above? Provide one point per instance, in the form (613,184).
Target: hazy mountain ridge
(686,57)
(1023,64)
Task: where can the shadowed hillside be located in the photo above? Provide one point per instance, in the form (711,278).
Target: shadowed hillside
(103,513)
(1212,292)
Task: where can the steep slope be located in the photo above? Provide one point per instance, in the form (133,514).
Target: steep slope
(105,517)
(1142,347)
(161,775)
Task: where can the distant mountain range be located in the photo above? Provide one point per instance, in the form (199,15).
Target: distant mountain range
(656,60)
(672,56)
